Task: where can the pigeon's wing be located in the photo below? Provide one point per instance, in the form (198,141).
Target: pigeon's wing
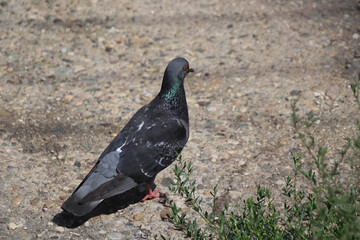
(153,148)
(128,132)
(117,185)
(102,182)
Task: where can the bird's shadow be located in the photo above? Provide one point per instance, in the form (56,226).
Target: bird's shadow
(107,206)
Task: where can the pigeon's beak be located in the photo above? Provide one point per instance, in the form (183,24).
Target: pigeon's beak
(191,70)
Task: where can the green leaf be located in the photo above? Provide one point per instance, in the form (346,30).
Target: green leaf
(357,143)
(353,88)
(322,151)
(358,124)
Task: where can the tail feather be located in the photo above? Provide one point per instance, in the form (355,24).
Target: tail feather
(93,191)
(74,206)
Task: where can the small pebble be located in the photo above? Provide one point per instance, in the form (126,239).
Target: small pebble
(138,216)
(87,224)
(12,226)
(166,181)
(16,200)
(34,201)
(59,229)
(68,98)
(147,94)
(77,164)
(60,156)
(318,94)
(166,213)
(39,235)
(355,36)
(200,186)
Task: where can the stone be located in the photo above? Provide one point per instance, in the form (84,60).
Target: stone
(77,164)
(68,98)
(138,40)
(17,200)
(166,181)
(12,226)
(59,229)
(40,235)
(61,157)
(166,213)
(138,216)
(243,109)
(318,94)
(34,201)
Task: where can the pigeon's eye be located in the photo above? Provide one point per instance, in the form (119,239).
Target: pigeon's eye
(185,68)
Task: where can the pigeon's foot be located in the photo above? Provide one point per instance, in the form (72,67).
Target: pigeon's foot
(152,194)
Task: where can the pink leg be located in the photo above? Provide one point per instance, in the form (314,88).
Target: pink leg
(152,194)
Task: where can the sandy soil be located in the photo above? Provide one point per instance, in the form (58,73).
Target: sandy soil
(72,73)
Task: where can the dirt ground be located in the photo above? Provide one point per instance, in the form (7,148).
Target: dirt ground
(72,73)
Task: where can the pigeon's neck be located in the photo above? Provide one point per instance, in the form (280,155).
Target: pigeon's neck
(173,93)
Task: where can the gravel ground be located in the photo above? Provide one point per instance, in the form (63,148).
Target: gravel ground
(72,73)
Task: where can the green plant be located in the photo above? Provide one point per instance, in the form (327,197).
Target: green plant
(355,90)
(258,218)
(329,210)
(335,204)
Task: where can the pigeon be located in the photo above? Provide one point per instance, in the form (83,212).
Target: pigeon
(149,142)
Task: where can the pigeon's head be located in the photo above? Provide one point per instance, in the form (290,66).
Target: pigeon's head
(173,82)
(178,68)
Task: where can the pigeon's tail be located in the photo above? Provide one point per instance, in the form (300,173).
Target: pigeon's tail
(95,189)
(76,207)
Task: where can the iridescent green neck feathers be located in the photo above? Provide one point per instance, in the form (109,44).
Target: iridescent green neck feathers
(170,94)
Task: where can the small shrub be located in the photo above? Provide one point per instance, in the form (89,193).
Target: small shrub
(330,211)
